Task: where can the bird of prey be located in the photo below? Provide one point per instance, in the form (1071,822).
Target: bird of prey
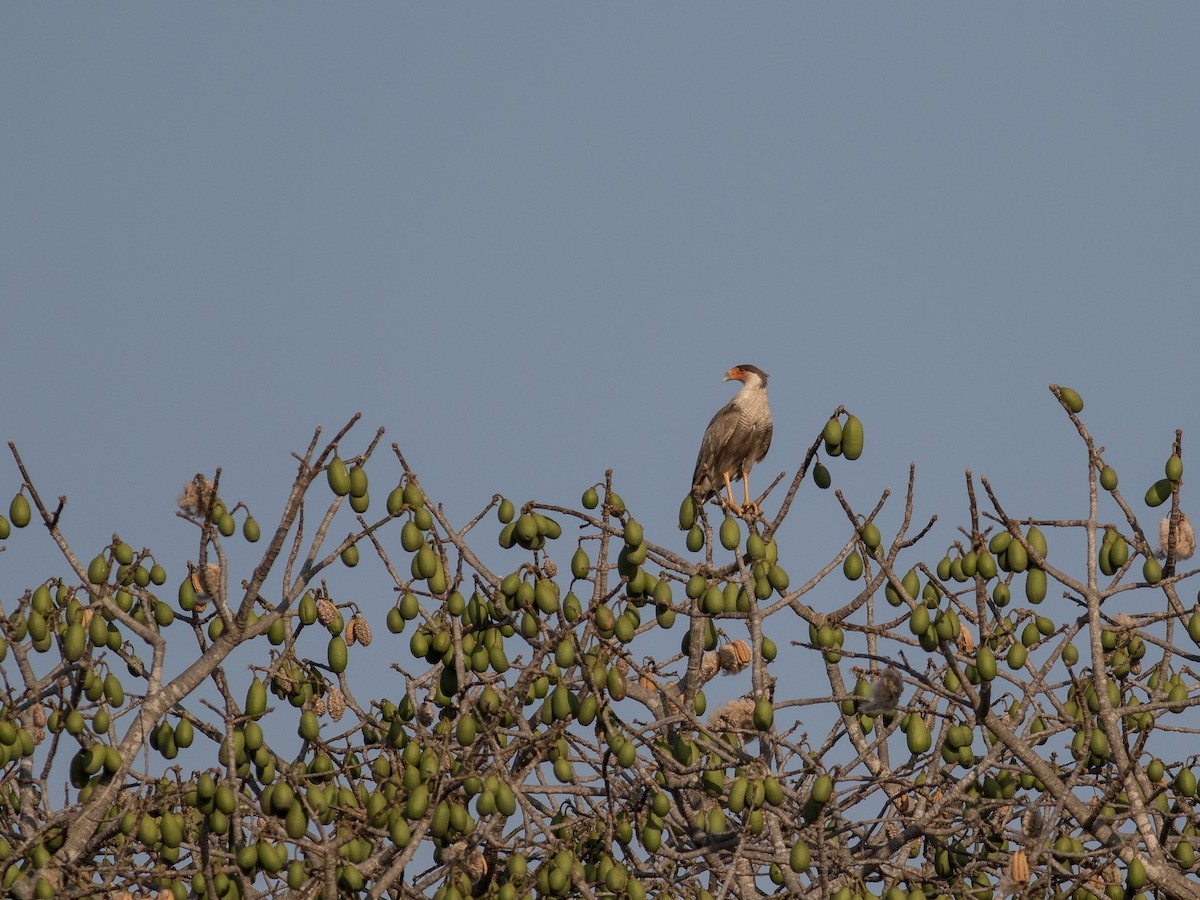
(738,436)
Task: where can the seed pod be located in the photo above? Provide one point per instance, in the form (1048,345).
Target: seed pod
(730,534)
(918,736)
(764,714)
(19,512)
(852,567)
(821,477)
(1018,867)
(734,656)
(338,477)
(337,654)
(985,662)
(852,438)
(1174,468)
(362,630)
(1072,399)
(1159,492)
(687,513)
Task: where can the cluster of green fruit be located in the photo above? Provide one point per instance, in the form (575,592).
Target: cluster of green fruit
(1160,492)
(530,531)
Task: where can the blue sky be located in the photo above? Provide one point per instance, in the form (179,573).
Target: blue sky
(528,240)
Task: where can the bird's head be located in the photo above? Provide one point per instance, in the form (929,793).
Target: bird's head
(747,374)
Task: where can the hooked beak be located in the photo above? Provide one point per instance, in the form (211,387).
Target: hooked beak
(733,375)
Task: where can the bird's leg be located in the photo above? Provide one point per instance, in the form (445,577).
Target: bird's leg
(729,487)
(750,504)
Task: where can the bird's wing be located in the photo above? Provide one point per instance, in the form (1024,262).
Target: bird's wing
(716,435)
(766,440)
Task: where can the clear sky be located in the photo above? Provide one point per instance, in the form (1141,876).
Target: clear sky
(529,239)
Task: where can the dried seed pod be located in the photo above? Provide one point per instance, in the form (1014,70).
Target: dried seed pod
(966,643)
(206,580)
(734,657)
(349,633)
(326,611)
(1185,537)
(551,569)
(337,704)
(1018,867)
(710,664)
(197,496)
(362,631)
(318,705)
(648,683)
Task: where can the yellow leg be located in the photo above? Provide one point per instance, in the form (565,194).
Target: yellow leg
(729,487)
(746,486)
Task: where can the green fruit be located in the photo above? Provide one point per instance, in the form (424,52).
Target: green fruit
(1035,586)
(337,654)
(98,570)
(1016,656)
(687,513)
(985,662)
(505,511)
(822,788)
(1072,399)
(1016,556)
(580,564)
(411,538)
(413,496)
(18,511)
(731,535)
(75,641)
(466,730)
(1135,875)
(1185,782)
(1108,478)
(1151,570)
(799,857)
(918,736)
(1159,492)
(358,481)
(1174,468)
(852,438)
(591,499)
(633,533)
(832,433)
(350,556)
(852,567)
(764,714)
(5,531)
(695,539)
(256,699)
(769,651)
(821,477)
(338,477)
(870,536)
(1037,541)
(418,802)
(1118,553)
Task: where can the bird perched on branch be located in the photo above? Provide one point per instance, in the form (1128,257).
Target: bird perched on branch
(738,436)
